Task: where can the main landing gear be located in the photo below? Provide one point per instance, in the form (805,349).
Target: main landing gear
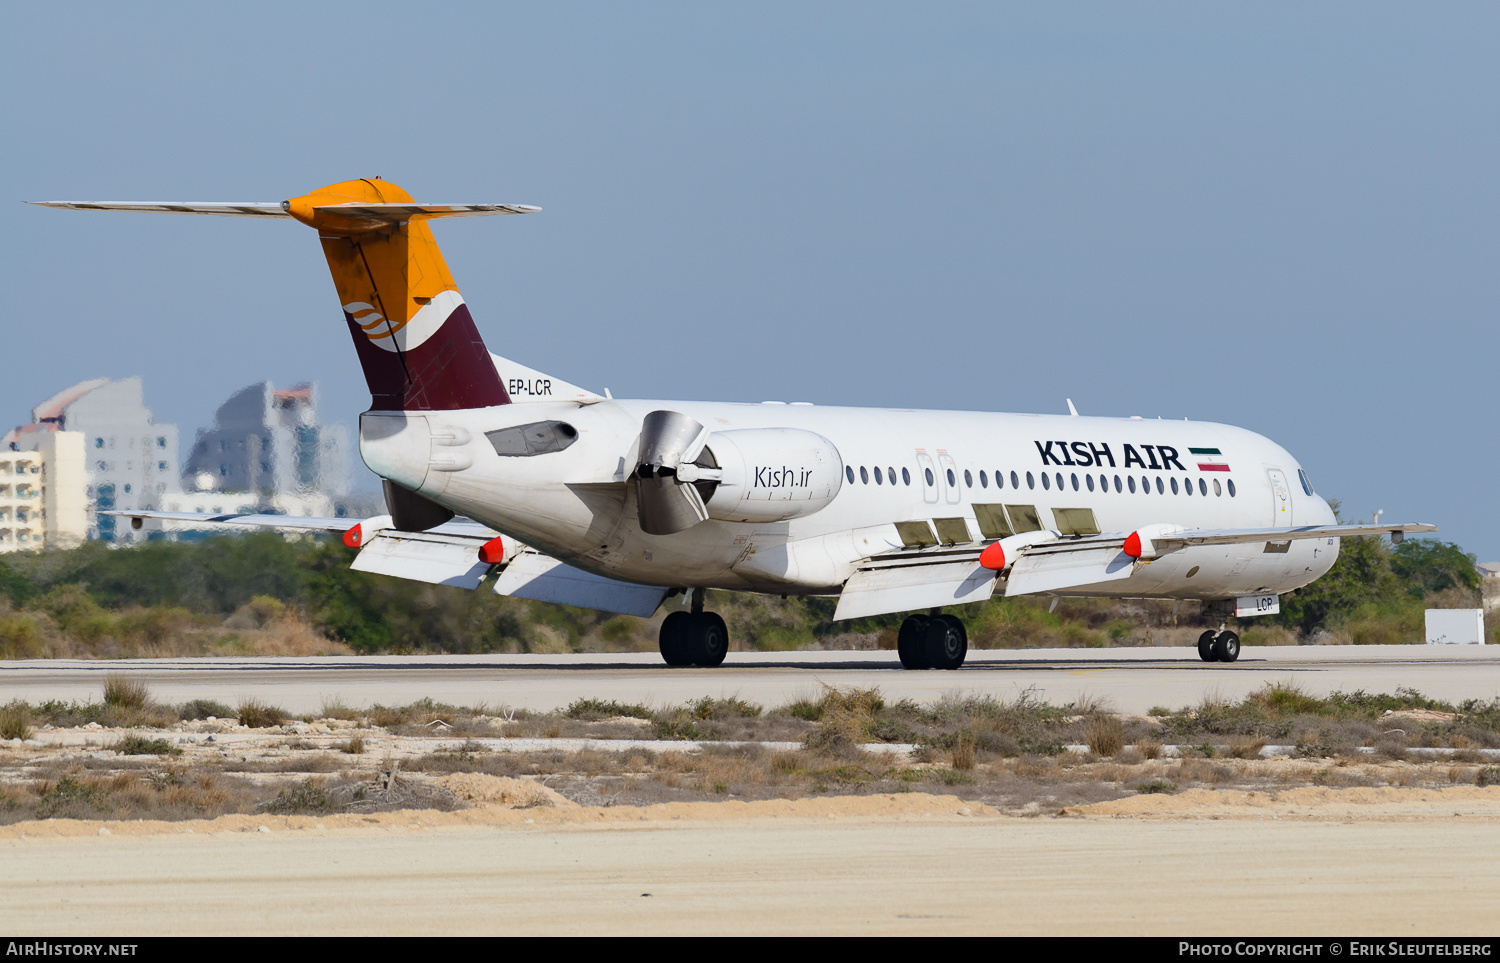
(934,641)
(1218,646)
(694,638)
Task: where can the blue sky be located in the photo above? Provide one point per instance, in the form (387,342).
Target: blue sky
(1280,216)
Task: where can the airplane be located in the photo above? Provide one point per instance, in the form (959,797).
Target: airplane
(568,496)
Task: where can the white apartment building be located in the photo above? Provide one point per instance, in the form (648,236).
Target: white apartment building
(42,502)
(129,461)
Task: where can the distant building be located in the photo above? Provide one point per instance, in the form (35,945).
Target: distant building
(1489,585)
(128,460)
(42,503)
(268,444)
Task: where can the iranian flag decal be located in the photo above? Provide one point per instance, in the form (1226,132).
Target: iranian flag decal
(1209,459)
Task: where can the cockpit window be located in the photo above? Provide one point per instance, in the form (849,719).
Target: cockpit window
(1306,482)
(538,438)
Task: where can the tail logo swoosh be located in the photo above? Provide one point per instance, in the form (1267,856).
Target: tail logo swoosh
(403,335)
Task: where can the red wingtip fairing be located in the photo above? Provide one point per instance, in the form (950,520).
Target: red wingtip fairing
(493,551)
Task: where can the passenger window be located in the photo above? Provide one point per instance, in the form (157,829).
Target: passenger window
(864,476)
(1059,481)
(1160,488)
(984,481)
(878,479)
(1046,482)
(1130,482)
(1090,480)
(1203,488)
(1218,489)
(1016,482)
(1030,482)
(968,479)
(906,476)
(927,473)
(849,472)
(891,474)
(1118,487)
(952,482)
(1174,486)
(1230,483)
(1075,482)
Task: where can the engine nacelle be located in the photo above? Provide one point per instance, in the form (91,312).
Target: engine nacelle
(771,474)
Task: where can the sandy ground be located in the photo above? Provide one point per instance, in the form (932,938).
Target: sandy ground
(1311,861)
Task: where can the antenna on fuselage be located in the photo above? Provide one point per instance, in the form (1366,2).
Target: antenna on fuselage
(1071,410)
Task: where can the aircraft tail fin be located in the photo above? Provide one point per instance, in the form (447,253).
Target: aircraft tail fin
(416,340)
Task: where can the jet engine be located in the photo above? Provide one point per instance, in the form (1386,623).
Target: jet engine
(687,474)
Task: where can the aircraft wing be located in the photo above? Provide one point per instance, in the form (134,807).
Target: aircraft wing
(1043,562)
(459,553)
(1231,536)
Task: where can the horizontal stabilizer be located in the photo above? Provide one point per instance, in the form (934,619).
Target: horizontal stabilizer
(373,215)
(540,578)
(217,208)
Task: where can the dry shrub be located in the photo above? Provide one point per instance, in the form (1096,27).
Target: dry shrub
(123,692)
(1105,734)
(355,746)
(1246,747)
(260,715)
(15,721)
(962,754)
(1148,748)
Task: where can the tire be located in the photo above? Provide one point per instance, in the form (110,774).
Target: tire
(945,644)
(710,640)
(1206,650)
(1227,647)
(675,629)
(963,634)
(909,644)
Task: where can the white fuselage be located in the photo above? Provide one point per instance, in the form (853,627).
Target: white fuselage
(576,503)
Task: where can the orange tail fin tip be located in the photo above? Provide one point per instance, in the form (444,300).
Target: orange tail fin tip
(415,337)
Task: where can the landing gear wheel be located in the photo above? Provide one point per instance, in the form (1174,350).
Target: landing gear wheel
(710,639)
(1227,647)
(694,638)
(674,633)
(909,642)
(1206,646)
(946,642)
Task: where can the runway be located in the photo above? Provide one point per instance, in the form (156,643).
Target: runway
(1131,680)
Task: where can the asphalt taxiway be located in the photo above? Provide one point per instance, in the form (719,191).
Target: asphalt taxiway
(1130,680)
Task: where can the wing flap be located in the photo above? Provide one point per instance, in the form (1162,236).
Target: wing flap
(424,557)
(1036,573)
(541,578)
(877,591)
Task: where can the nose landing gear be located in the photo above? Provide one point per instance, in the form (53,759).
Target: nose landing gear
(1218,646)
(694,638)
